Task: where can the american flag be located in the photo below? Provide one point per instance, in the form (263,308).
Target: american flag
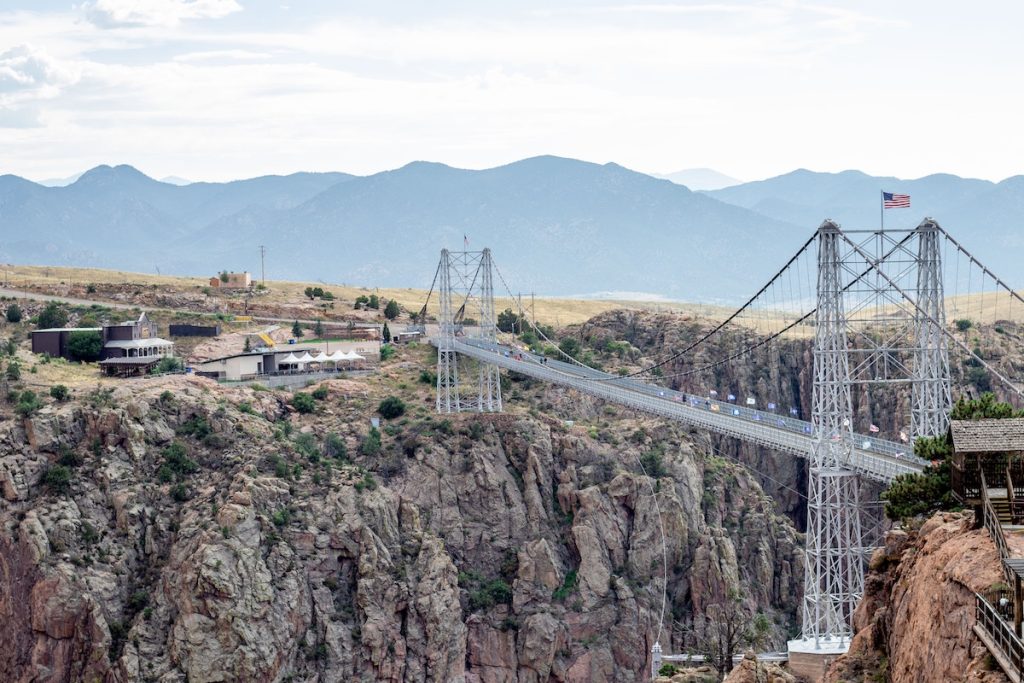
(891,200)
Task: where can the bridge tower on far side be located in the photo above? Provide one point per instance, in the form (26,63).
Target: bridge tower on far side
(465,282)
(930,397)
(834,570)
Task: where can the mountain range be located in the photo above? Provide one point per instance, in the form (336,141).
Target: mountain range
(556,226)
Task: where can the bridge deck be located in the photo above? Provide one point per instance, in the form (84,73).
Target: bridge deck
(874,458)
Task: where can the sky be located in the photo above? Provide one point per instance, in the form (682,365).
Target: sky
(224,89)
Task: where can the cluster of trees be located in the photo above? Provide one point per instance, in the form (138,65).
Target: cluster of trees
(391,310)
(318,293)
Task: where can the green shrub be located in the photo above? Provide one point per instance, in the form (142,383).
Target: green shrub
(85,346)
(320,393)
(304,403)
(391,311)
(52,316)
(59,392)
(13,371)
(281,517)
(196,426)
(653,464)
(386,352)
(391,407)
(667,670)
(334,447)
(28,403)
(58,479)
(168,364)
(367,483)
(180,493)
(963,324)
(567,587)
(427,377)
(371,443)
(13,313)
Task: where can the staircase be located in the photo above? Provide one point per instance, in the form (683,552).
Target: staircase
(1001,506)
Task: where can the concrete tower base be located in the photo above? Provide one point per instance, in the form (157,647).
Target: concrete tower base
(810,659)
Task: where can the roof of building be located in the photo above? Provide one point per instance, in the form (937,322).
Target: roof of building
(133,360)
(137,343)
(988,436)
(1015,565)
(70,329)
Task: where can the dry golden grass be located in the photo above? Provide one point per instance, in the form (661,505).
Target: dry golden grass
(554,311)
(980,308)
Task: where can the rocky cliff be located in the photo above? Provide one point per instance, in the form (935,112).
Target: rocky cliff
(915,621)
(173,530)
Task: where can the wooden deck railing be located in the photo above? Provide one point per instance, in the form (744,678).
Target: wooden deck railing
(995,529)
(1005,645)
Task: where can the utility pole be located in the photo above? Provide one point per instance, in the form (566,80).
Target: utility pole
(263,270)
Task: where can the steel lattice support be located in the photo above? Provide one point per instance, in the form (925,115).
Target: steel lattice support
(463,278)
(447,362)
(489,398)
(834,573)
(930,395)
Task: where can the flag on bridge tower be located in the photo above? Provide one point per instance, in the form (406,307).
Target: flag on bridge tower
(891,200)
(873,429)
(465,241)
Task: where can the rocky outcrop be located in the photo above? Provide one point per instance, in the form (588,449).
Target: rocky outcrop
(209,534)
(915,622)
(749,670)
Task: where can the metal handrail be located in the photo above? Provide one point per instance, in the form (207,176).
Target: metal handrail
(1001,635)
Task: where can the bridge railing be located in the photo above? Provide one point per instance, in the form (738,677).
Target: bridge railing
(1007,646)
(990,520)
(876,458)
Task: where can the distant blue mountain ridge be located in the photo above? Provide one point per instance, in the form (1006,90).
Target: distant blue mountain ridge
(556,226)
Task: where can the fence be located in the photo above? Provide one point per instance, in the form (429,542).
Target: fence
(194,330)
(999,638)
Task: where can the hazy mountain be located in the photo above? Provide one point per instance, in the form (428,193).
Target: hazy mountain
(175,180)
(115,216)
(852,198)
(700,178)
(984,216)
(60,182)
(556,226)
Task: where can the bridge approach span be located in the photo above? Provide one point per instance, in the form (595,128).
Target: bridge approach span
(871,457)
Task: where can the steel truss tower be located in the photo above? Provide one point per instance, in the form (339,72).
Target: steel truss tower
(834,572)
(930,400)
(465,278)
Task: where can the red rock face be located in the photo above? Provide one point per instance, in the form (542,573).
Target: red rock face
(918,611)
(50,628)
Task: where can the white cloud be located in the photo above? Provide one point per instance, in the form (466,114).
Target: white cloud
(126,13)
(24,68)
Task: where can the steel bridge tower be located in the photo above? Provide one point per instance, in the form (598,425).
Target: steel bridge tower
(930,400)
(834,571)
(465,275)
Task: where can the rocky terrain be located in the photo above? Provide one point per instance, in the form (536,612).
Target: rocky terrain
(173,530)
(916,619)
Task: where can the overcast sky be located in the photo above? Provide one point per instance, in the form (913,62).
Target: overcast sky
(222,89)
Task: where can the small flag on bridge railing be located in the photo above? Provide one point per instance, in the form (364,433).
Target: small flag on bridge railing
(732,397)
(751,401)
(794,411)
(873,429)
(771,406)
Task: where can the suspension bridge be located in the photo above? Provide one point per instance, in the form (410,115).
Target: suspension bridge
(873,304)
